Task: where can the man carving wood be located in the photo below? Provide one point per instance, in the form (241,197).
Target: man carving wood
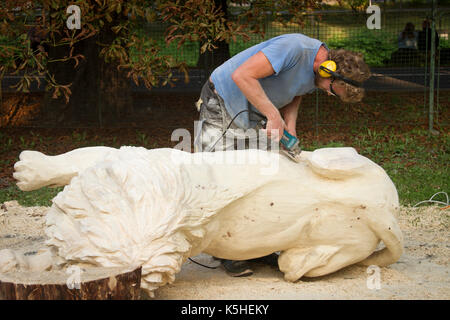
(267,81)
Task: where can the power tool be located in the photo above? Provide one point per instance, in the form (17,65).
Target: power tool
(290,144)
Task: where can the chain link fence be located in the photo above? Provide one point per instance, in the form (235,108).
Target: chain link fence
(399,56)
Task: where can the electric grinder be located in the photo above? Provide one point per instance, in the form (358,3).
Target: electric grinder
(290,145)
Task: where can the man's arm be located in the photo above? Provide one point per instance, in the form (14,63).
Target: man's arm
(246,78)
(289,113)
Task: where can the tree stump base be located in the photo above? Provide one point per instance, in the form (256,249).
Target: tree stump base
(83,284)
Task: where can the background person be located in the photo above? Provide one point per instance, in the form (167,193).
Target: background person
(424,37)
(407,39)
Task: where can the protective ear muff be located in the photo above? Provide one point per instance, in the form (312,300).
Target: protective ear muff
(328,69)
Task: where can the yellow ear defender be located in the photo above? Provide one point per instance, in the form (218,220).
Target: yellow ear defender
(328,65)
(328,69)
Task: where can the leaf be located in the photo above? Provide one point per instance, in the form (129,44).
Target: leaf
(116,29)
(204,47)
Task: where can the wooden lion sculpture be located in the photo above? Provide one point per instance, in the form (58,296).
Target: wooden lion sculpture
(155,208)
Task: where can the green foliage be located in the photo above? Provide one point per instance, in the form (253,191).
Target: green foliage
(444,44)
(9,45)
(356,5)
(376,45)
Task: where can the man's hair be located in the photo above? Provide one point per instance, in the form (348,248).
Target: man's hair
(351,65)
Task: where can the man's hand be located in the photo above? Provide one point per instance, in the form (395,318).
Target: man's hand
(275,123)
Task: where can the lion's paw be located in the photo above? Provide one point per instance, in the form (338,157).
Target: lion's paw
(30,171)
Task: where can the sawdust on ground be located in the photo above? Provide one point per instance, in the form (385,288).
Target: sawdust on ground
(421,273)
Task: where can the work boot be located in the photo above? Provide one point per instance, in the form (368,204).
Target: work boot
(237,268)
(270,260)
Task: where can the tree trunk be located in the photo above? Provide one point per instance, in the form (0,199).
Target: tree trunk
(100,91)
(209,60)
(114,88)
(110,285)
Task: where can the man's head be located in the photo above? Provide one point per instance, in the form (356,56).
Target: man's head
(350,65)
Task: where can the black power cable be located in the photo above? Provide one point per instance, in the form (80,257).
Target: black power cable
(229,125)
(203,264)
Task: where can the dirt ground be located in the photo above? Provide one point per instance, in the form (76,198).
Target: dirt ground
(421,273)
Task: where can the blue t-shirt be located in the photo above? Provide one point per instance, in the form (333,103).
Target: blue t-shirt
(292,58)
